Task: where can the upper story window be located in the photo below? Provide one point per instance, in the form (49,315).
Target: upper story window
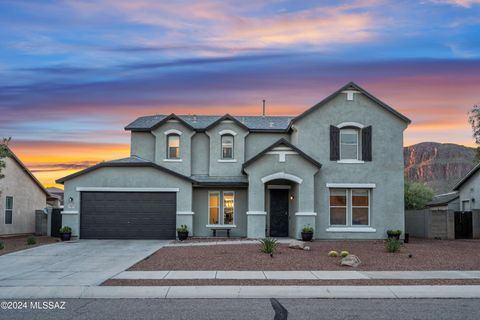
(349,145)
(227,146)
(173,146)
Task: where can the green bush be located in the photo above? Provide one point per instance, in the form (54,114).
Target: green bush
(307,230)
(333,254)
(268,245)
(417,195)
(392,245)
(2,246)
(31,240)
(182,228)
(65,229)
(343,254)
(394,233)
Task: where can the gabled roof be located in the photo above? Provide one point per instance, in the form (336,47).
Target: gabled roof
(28,172)
(353,86)
(226,117)
(203,122)
(276,144)
(467,177)
(443,199)
(132,161)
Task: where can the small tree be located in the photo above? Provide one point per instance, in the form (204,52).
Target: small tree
(4,152)
(474,120)
(417,195)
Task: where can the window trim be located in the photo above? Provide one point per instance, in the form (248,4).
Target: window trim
(349,214)
(8,210)
(221,208)
(168,158)
(349,130)
(233,147)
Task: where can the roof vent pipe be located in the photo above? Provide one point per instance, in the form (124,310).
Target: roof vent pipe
(263,112)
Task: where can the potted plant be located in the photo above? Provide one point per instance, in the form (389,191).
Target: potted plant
(307,233)
(394,234)
(182,232)
(65,233)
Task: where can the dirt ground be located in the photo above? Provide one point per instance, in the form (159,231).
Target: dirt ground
(16,243)
(425,255)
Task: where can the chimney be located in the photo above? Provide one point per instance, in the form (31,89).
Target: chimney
(263,112)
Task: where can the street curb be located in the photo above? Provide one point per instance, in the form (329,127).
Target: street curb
(242,292)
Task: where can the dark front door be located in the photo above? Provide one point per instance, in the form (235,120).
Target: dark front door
(56,222)
(463,225)
(279,212)
(128,215)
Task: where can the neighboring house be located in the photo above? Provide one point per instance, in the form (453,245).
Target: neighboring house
(57,194)
(337,167)
(20,195)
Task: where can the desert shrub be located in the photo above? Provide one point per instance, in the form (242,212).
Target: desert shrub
(31,240)
(392,245)
(2,246)
(394,233)
(333,254)
(268,245)
(343,254)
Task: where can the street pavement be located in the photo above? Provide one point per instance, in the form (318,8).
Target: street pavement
(304,309)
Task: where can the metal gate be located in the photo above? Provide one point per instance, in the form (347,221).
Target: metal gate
(463,225)
(56,222)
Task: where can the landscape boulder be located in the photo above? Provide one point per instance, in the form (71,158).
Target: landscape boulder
(306,248)
(351,260)
(295,244)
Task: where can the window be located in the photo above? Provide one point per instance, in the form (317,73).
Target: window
(348,144)
(228,207)
(227,146)
(360,205)
(173,146)
(338,206)
(221,214)
(213,207)
(349,205)
(8,210)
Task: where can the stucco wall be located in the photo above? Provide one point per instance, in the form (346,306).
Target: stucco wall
(27,197)
(143,145)
(217,166)
(386,169)
(131,177)
(183,165)
(200,155)
(469,190)
(256,142)
(200,207)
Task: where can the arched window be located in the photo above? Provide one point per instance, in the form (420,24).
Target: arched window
(173,146)
(227,146)
(349,144)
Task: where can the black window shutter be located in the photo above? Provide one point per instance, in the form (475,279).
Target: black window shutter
(367,143)
(334,143)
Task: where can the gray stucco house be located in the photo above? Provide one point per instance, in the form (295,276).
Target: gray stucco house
(337,167)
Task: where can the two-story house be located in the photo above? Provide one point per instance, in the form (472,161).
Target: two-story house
(337,167)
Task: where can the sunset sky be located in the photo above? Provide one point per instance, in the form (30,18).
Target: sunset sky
(74,73)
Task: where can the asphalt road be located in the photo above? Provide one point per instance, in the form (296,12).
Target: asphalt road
(200,309)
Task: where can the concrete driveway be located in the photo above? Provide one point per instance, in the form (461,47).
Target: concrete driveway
(79,263)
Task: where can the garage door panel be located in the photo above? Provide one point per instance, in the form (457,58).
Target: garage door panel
(128,215)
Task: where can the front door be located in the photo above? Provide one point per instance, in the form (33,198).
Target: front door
(279,212)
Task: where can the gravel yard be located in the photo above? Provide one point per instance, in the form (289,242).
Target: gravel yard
(426,255)
(16,243)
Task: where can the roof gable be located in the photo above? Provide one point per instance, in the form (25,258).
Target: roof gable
(352,86)
(467,177)
(277,144)
(226,117)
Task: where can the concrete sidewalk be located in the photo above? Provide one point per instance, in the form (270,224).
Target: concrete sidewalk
(298,275)
(241,292)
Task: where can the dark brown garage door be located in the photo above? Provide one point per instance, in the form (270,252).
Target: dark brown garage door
(128,215)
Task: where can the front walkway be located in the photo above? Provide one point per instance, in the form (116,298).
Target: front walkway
(73,263)
(296,275)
